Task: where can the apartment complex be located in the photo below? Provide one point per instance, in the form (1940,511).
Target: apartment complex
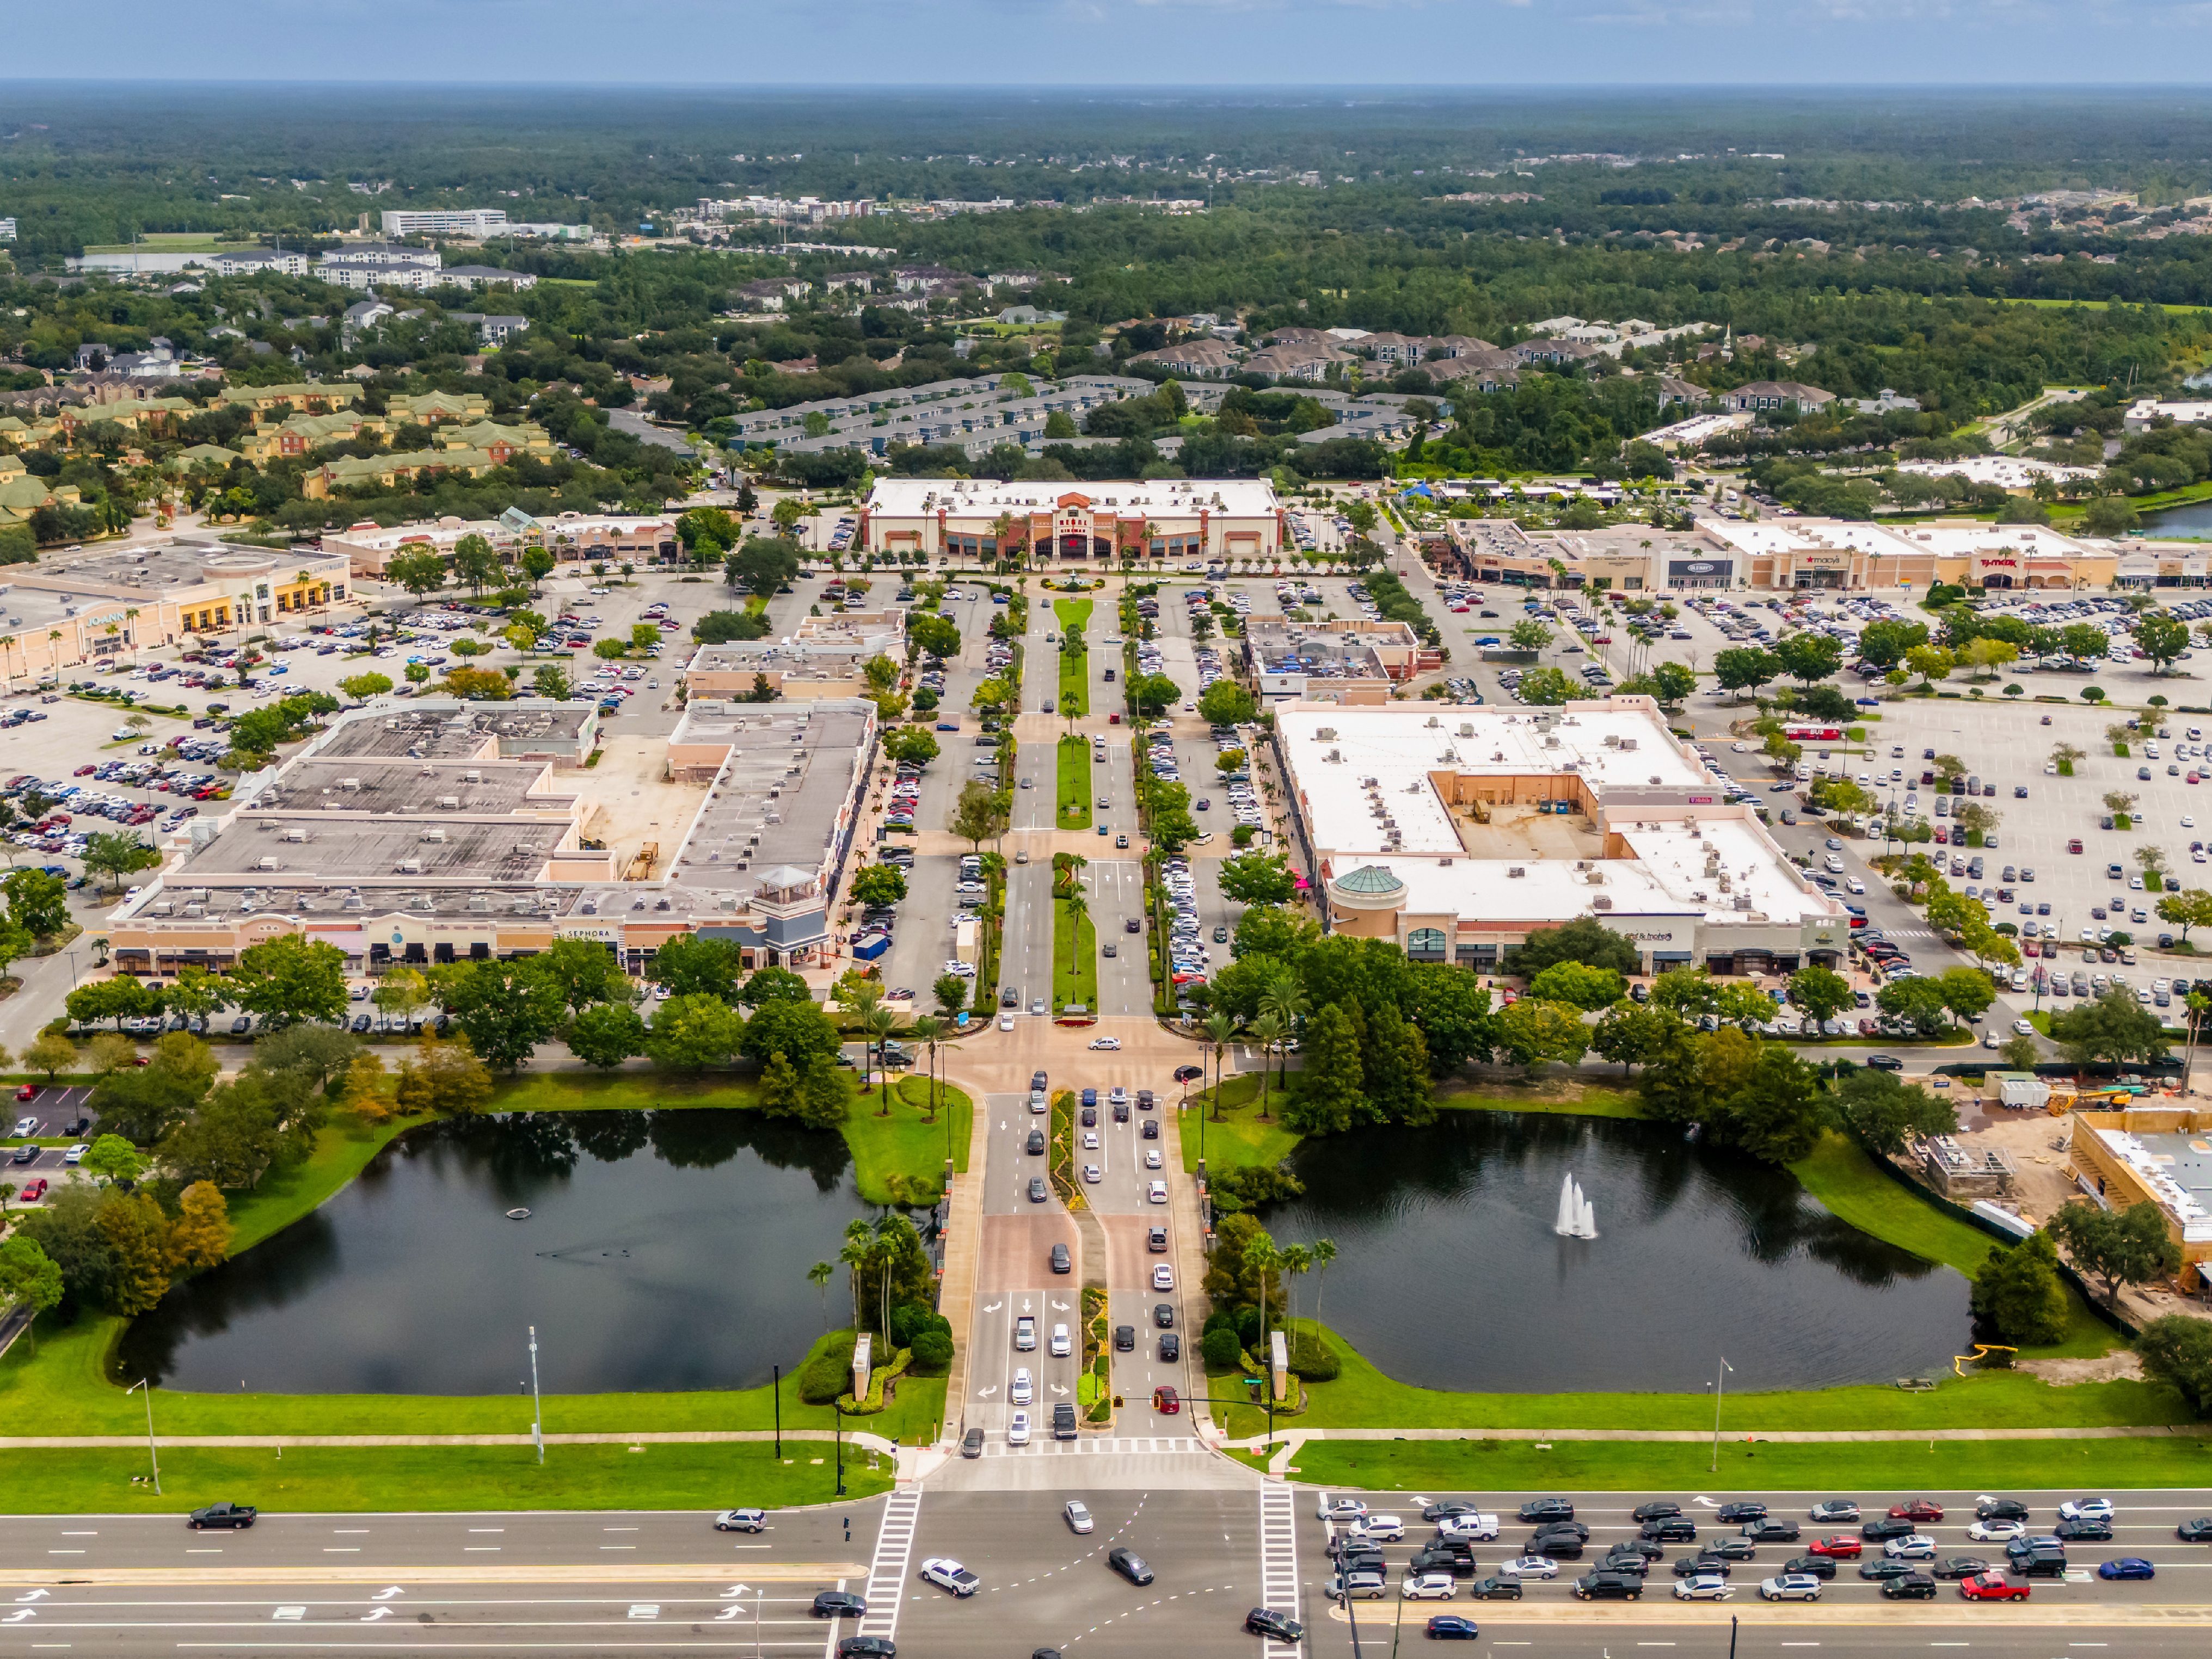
(1458,832)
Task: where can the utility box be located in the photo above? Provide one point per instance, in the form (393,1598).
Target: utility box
(1279,1364)
(2022,1091)
(860,1368)
(963,939)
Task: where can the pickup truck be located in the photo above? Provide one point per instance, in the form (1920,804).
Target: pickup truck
(222,1515)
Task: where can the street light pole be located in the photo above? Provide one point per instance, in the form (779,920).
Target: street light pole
(536,1401)
(778,1386)
(837,1406)
(152,1451)
(1720,1387)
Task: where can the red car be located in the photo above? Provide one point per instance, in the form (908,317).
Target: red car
(28,1091)
(1991,1587)
(34,1193)
(1166,1401)
(1842,1545)
(1916,1509)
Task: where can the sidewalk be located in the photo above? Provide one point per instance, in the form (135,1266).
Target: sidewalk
(859,1438)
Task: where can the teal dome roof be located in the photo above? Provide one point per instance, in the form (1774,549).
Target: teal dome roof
(1371,878)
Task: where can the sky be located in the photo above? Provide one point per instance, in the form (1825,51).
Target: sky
(924,43)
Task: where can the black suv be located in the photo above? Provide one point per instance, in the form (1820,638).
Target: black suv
(1741,1512)
(1060,1263)
(2000,1509)
(2086,1529)
(1821,1566)
(1771,1531)
(1658,1511)
(1035,1145)
(1883,1527)
(1494,1589)
(1063,1422)
(1669,1529)
(1912,1587)
(1559,1545)
(839,1604)
(1608,1587)
(1548,1508)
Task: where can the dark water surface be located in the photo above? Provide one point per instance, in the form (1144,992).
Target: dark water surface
(2195,518)
(1449,1274)
(664,1251)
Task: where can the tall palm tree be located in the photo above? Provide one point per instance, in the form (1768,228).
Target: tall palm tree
(879,1023)
(1261,1256)
(1219,1029)
(130,634)
(1286,1000)
(855,1254)
(1296,1260)
(929,1030)
(1267,1030)
(884,1248)
(7,660)
(819,1276)
(1324,1253)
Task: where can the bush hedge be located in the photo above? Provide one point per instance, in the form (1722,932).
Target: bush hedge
(829,1372)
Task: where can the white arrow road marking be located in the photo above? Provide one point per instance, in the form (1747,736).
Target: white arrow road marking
(1002,1123)
(1057,1388)
(19,1617)
(727,1615)
(988,1393)
(1707,1502)
(289,1612)
(1059,1306)
(994,1307)
(645,1610)
(737,1589)
(1025,1304)
(34,1595)
(371,1618)
(387,1593)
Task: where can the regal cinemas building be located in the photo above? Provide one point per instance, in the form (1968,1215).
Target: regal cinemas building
(975,520)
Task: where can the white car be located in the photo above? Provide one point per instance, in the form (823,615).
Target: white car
(1157,1192)
(75,1154)
(1060,1347)
(1790,1587)
(1163,1277)
(1856,886)
(1110,1045)
(1913,1546)
(2022,1028)
(1342,1509)
(1006,1022)
(1379,1529)
(1530,1566)
(2087,1509)
(945,1573)
(1429,1587)
(741,1520)
(1091,1140)
(1702,1587)
(1079,1518)
(1093,1174)
(1151,1157)
(1997,1532)
(1021,1391)
(1017,1432)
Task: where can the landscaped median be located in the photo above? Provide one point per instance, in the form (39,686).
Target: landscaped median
(1074,956)
(1074,798)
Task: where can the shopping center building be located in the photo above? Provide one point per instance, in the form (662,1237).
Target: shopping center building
(433,830)
(1458,832)
(979,519)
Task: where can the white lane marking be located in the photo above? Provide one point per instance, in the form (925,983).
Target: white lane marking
(887,1569)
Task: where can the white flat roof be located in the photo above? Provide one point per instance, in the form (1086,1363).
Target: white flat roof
(1674,856)
(1399,747)
(1236,498)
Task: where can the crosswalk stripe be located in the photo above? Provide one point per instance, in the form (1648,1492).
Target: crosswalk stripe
(887,1571)
(1279,1561)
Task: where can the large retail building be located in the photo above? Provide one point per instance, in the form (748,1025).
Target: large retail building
(972,520)
(1457,832)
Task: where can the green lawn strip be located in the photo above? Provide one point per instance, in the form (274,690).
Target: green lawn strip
(904,1142)
(1364,1397)
(63,1388)
(1239,1139)
(1843,1177)
(1583,1101)
(1074,807)
(689,1475)
(1074,958)
(1074,682)
(1675,1465)
(1073,613)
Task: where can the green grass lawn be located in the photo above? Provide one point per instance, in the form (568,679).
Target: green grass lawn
(905,1142)
(1073,613)
(1475,1465)
(1074,958)
(1562,1100)
(689,1475)
(1841,1175)
(1239,1139)
(1074,682)
(1363,1397)
(1074,756)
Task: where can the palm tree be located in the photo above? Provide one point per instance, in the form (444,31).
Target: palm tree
(859,1247)
(1219,1029)
(7,662)
(1284,999)
(882,1253)
(1267,1030)
(1296,1260)
(1324,1253)
(929,1030)
(1261,1256)
(879,1023)
(819,1276)
(130,634)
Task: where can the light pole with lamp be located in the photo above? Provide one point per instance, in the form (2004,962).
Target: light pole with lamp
(1720,1387)
(838,1406)
(536,1401)
(153,1452)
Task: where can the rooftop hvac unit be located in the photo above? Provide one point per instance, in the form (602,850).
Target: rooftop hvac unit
(193,912)
(295,834)
(434,834)
(1324,734)
(1550,743)
(164,907)
(269,864)
(473,777)
(1432,721)
(266,823)
(526,847)
(478,902)
(1612,740)
(349,783)
(1466,728)
(1516,870)
(1742,900)
(1628,743)
(411,866)
(1601,902)
(451,803)
(352,901)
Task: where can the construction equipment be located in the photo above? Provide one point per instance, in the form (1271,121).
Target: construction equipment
(640,868)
